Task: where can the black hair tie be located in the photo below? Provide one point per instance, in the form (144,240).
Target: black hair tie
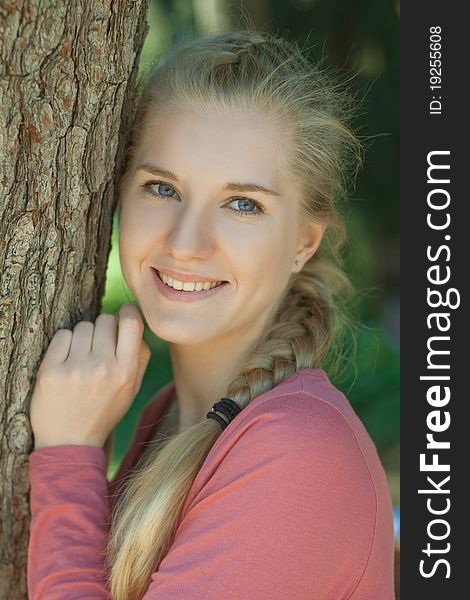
(228,408)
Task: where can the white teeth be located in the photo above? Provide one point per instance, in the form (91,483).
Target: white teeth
(188,286)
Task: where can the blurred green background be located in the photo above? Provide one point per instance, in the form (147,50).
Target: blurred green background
(360,38)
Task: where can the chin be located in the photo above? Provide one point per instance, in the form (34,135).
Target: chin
(179,332)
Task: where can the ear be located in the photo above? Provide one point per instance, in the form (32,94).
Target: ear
(309,243)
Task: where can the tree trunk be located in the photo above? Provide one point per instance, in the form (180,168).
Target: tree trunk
(67,75)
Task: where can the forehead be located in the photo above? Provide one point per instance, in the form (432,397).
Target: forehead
(244,145)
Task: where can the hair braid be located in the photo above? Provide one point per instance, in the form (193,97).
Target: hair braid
(300,336)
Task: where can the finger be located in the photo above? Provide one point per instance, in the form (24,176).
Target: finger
(145,355)
(81,339)
(58,349)
(130,331)
(104,336)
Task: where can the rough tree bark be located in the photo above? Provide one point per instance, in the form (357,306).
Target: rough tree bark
(67,73)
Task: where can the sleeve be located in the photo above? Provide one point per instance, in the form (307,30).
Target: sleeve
(288,512)
(69,517)
(70,504)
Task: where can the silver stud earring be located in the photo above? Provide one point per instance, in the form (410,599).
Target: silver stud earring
(297,262)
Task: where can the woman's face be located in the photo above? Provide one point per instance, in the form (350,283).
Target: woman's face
(208,199)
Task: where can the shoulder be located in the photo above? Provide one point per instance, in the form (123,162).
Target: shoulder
(297,466)
(308,429)
(304,414)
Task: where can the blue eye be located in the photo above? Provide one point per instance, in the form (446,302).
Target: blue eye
(164,190)
(244,205)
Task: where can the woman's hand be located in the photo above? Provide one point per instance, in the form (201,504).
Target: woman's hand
(88,379)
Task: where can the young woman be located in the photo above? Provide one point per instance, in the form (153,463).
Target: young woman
(250,476)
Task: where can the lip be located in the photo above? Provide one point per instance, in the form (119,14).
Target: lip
(181,295)
(186,276)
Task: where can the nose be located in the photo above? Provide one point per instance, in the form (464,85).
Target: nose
(191,235)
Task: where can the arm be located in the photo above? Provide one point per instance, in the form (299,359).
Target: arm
(70,500)
(82,391)
(69,515)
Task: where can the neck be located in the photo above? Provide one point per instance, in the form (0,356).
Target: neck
(202,372)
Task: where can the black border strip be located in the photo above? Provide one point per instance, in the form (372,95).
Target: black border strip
(434,270)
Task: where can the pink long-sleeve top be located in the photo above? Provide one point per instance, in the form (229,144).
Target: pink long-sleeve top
(291,503)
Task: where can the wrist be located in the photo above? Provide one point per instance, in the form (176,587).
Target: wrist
(64,442)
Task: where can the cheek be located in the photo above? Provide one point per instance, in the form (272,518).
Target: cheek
(128,236)
(137,240)
(139,226)
(261,257)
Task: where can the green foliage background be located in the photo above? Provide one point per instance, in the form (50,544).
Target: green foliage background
(360,38)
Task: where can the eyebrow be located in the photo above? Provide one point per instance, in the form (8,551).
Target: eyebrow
(231,187)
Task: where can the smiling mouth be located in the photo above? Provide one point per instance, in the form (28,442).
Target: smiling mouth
(188,286)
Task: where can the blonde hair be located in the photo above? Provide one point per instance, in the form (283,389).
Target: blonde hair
(241,70)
